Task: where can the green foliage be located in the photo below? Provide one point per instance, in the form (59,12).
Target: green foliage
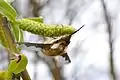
(18,64)
(3,75)
(43,29)
(17,32)
(3,40)
(7,39)
(3,36)
(7,10)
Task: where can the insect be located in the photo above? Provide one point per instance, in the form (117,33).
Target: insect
(56,47)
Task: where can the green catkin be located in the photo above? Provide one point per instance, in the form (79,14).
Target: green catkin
(37,19)
(43,29)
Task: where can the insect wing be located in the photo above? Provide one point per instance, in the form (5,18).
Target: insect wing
(37,45)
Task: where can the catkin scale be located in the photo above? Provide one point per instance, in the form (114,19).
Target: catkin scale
(37,19)
(47,30)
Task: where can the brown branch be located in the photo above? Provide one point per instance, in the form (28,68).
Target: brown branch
(52,64)
(54,68)
(112,68)
(37,7)
(56,71)
(25,75)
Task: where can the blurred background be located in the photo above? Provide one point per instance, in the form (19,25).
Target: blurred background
(90,48)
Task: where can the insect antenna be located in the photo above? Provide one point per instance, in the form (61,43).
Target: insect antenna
(76,30)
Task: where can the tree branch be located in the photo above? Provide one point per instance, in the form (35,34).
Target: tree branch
(37,7)
(25,75)
(112,68)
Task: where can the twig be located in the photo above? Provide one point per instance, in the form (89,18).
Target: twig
(56,71)
(37,7)
(35,60)
(112,68)
(70,13)
(25,75)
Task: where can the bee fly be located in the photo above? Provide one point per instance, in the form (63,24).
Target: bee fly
(56,47)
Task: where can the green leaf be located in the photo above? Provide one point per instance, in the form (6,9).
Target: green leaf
(9,1)
(17,32)
(3,39)
(22,64)
(7,10)
(18,65)
(6,37)
(3,75)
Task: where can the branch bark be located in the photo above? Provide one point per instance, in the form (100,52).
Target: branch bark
(56,71)
(25,75)
(37,7)
(108,21)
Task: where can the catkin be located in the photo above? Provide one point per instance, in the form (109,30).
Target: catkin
(37,19)
(43,29)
